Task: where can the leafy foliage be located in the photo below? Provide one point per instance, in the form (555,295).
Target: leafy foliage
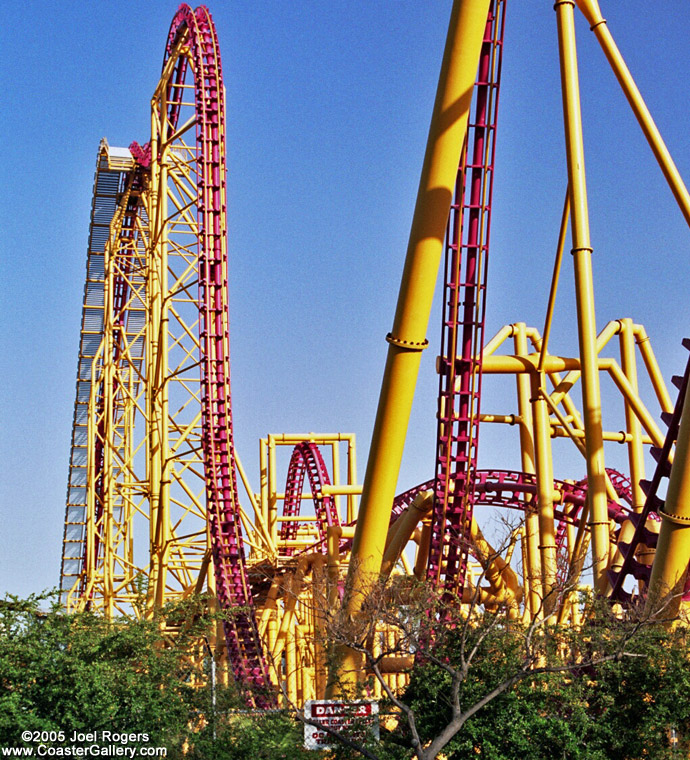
(81,672)
(619,708)
(619,688)
(270,735)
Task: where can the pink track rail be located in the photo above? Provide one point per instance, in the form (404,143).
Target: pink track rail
(233,589)
(306,460)
(512,489)
(467,251)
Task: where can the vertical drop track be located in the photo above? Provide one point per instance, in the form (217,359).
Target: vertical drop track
(462,332)
(193,40)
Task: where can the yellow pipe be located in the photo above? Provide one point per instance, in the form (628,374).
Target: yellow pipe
(504,419)
(335,452)
(544,470)
(584,292)
(621,381)
(555,379)
(423,550)
(560,393)
(673,547)
(591,11)
(570,600)
(635,449)
(616,437)
(258,513)
(554,279)
(513,365)
(334,535)
(263,486)
(351,477)
(401,530)
(532,570)
(272,488)
(652,366)
(319,618)
(497,341)
(320,439)
(292,590)
(342,489)
(502,579)
(447,133)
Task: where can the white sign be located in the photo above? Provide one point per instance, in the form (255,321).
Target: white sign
(356,719)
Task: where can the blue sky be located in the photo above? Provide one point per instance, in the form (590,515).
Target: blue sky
(328,108)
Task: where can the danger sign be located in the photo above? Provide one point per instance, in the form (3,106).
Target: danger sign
(357,719)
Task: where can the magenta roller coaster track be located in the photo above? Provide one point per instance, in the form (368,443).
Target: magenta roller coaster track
(307,461)
(233,589)
(458,485)
(462,332)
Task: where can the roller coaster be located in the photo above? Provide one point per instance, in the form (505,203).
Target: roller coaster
(154,507)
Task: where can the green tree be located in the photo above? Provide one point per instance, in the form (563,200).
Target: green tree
(485,684)
(611,690)
(255,735)
(80,672)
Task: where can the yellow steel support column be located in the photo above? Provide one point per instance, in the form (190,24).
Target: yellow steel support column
(272,490)
(532,569)
(584,293)
(351,478)
(544,466)
(591,11)
(108,433)
(650,362)
(157,371)
(447,133)
(673,547)
(403,528)
(91,428)
(635,447)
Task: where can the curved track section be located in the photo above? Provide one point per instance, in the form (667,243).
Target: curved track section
(511,489)
(306,460)
(192,39)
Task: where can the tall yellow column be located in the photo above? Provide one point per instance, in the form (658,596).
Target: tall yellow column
(673,548)
(584,293)
(532,569)
(447,133)
(635,446)
(157,368)
(544,466)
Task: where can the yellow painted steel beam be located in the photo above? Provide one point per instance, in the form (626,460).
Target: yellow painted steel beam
(562,431)
(635,442)
(673,547)
(344,489)
(402,529)
(584,292)
(592,12)
(645,348)
(496,342)
(532,569)
(515,365)
(560,247)
(636,405)
(545,492)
